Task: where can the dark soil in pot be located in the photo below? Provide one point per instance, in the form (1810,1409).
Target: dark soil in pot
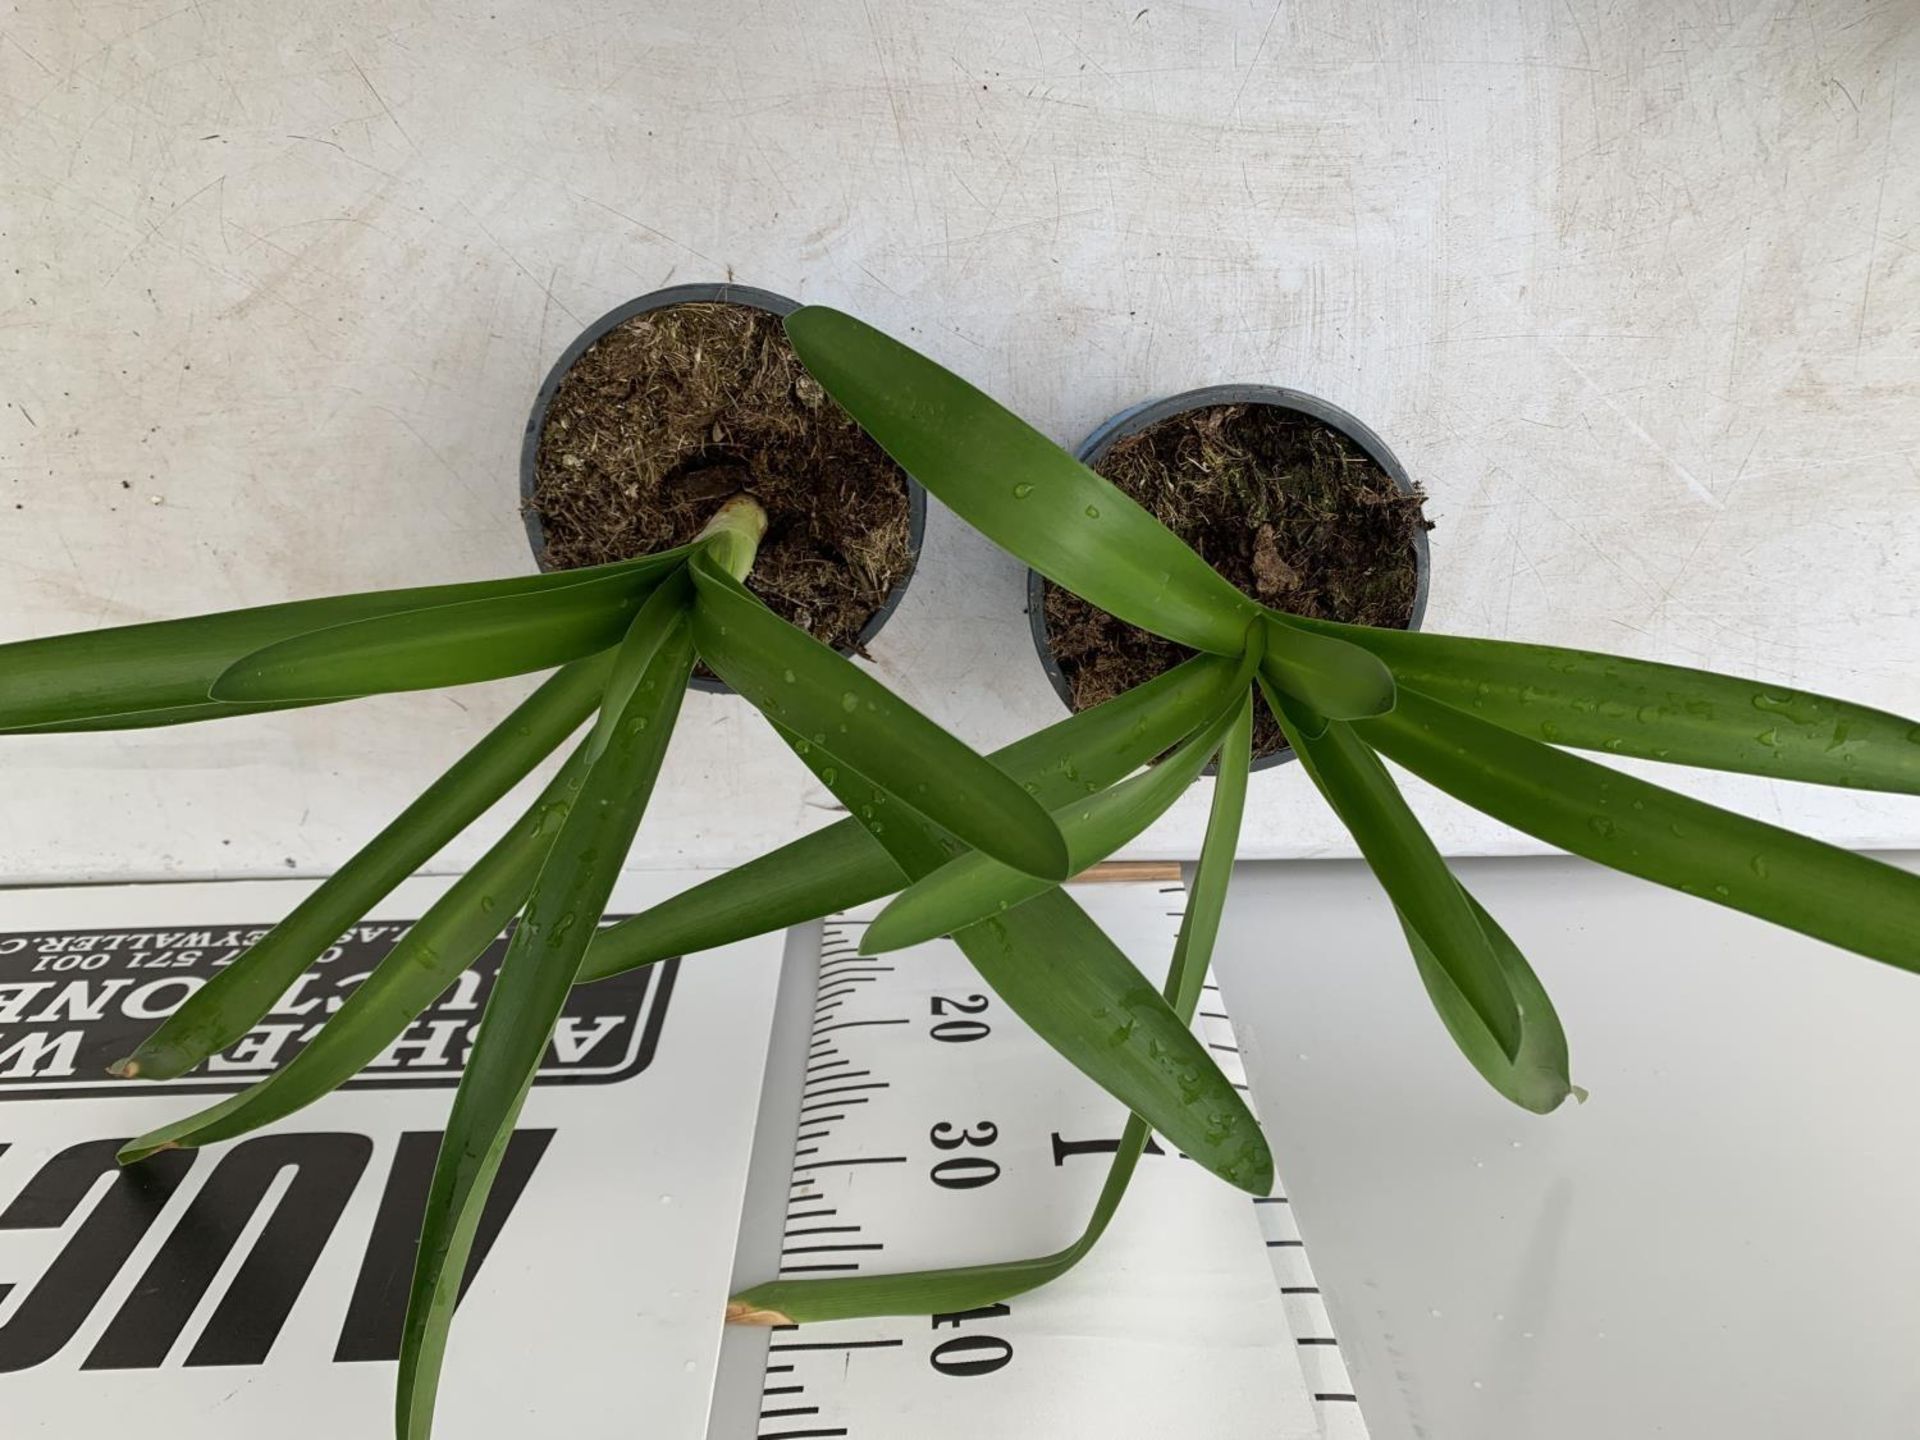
(675,409)
(1294,512)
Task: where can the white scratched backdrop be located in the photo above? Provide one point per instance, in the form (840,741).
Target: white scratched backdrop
(1632,289)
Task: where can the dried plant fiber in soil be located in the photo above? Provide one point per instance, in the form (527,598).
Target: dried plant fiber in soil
(670,413)
(1290,510)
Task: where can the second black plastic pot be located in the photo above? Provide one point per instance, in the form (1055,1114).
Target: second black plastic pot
(1131,422)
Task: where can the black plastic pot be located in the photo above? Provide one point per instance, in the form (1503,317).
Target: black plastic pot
(660,300)
(1131,422)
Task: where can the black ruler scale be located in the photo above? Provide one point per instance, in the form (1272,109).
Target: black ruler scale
(936,1129)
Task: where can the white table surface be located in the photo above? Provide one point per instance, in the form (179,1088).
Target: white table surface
(1630,288)
(1718,1244)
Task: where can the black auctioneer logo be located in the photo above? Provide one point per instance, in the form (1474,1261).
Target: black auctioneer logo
(72,1002)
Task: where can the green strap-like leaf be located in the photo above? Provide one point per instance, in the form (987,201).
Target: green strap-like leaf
(235,999)
(644,638)
(162,673)
(446,940)
(1536,1078)
(841,866)
(1330,676)
(541,963)
(967,1287)
(1059,972)
(461,644)
(1080,993)
(1207,897)
(843,711)
(1089,751)
(1654,712)
(1018,488)
(1404,860)
(973,887)
(151,719)
(1641,829)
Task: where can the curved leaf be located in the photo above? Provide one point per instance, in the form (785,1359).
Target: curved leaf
(967,1287)
(1059,972)
(541,962)
(1018,488)
(235,999)
(1404,860)
(161,673)
(154,718)
(1641,829)
(973,887)
(1333,678)
(631,661)
(1213,872)
(1654,712)
(805,686)
(841,866)
(1080,993)
(461,644)
(453,933)
(1534,1079)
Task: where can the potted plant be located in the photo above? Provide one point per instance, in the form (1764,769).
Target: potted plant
(1491,722)
(975,847)
(625,636)
(1295,501)
(685,395)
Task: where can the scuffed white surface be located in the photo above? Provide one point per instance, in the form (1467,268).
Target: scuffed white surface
(1717,1244)
(1630,288)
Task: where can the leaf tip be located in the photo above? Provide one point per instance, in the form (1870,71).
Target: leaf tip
(745,1312)
(1257,1176)
(134,1151)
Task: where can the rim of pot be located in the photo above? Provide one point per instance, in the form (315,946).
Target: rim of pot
(1132,421)
(728,294)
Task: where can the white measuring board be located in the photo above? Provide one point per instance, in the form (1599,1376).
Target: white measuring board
(935,1129)
(257,1287)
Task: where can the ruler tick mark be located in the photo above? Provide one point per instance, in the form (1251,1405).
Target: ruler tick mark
(828,1104)
(856,1024)
(849,1089)
(854,1160)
